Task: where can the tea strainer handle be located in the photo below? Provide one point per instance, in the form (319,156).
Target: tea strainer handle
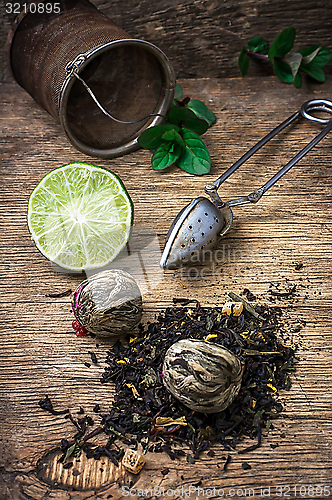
(307,107)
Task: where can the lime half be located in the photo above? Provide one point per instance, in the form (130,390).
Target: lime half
(80,216)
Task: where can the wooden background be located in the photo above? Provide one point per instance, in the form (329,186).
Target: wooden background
(204,37)
(291,224)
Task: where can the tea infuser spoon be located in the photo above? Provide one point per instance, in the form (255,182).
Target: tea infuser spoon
(198,225)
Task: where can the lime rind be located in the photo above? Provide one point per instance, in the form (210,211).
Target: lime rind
(80,216)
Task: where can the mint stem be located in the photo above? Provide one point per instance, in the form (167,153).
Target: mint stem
(256,55)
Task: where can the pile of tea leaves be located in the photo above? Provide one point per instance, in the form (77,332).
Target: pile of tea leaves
(143,410)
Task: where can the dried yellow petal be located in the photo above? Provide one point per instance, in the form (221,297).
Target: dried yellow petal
(210,336)
(234,308)
(167,421)
(134,390)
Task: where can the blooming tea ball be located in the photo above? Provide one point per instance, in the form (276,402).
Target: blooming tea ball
(203,376)
(108,303)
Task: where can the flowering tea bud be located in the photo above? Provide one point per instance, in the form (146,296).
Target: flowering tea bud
(203,376)
(108,303)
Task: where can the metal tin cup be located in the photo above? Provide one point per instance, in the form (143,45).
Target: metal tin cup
(82,68)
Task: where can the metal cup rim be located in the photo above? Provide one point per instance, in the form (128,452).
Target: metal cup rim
(163,109)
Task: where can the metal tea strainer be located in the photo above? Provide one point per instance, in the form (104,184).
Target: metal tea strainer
(104,87)
(198,225)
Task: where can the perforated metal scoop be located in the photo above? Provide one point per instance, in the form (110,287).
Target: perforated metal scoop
(197,228)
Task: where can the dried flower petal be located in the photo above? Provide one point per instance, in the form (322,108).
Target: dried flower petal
(133,461)
(234,308)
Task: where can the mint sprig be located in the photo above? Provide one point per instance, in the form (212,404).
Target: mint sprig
(287,65)
(178,140)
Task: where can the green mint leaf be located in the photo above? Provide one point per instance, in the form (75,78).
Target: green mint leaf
(323,56)
(188,119)
(243,62)
(309,54)
(196,125)
(282,44)
(178,94)
(173,135)
(177,115)
(294,60)
(202,111)
(315,71)
(306,52)
(297,81)
(165,155)
(194,158)
(283,71)
(258,45)
(152,137)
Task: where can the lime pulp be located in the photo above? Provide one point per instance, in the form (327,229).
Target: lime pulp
(80,216)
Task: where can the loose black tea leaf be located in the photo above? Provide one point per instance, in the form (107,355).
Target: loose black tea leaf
(93,357)
(68,465)
(47,405)
(229,458)
(144,412)
(249,295)
(246,466)
(137,407)
(283,294)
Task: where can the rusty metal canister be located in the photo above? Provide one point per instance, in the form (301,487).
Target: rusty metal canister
(72,57)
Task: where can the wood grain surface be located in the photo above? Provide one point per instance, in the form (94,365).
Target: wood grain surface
(203,38)
(291,224)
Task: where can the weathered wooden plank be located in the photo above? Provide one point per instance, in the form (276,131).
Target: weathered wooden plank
(209,475)
(204,38)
